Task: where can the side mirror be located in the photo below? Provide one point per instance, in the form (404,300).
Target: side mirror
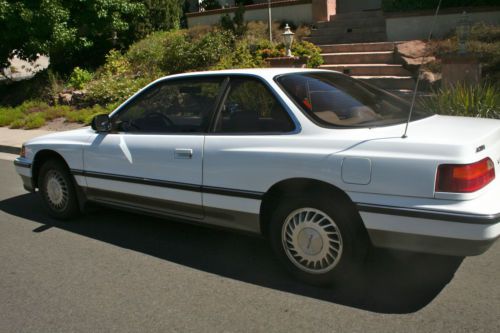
(101,123)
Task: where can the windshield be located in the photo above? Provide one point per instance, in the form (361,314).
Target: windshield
(333,99)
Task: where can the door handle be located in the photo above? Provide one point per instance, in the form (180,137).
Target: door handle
(183,153)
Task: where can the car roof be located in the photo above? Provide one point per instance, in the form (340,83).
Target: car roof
(262,72)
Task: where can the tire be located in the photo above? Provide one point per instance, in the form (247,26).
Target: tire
(57,190)
(300,229)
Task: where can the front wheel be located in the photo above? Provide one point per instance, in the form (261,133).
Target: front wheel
(320,240)
(57,190)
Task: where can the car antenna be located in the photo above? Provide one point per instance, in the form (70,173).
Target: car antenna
(418,76)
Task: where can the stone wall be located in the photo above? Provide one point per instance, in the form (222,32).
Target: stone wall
(416,25)
(296,11)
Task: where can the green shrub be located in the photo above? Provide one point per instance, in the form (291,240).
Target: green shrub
(465,100)
(241,57)
(9,115)
(43,86)
(85,116)
(34,120)
(184,53)
(483,43)
(264,49)
(236,24)
(34,114)
(115,81)
(146,55)
(306,49)
(79,77)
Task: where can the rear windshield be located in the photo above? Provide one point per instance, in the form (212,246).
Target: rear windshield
(337,100)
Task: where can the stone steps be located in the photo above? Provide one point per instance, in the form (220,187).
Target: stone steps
(366,26)
(368,69)
(382,57)
(348,30)
(365,14)
(356,44)
(389,82)
(357,47)
(355,22)
(344,37)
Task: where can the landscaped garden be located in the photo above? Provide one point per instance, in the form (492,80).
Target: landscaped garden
(125,46)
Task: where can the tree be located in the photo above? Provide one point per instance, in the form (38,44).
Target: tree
(71,32)
(162,15)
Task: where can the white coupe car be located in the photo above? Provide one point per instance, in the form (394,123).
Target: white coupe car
(313,160)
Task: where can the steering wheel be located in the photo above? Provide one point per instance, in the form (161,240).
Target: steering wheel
(165,119)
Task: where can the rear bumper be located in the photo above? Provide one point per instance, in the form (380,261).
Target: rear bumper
(430,231)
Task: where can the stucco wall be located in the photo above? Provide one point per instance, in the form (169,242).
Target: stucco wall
(346,6)
(417,27)
(300,13)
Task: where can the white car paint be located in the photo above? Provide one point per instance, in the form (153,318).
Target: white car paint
(373,166)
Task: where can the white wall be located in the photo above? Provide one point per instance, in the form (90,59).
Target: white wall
(417,27)
(297,14)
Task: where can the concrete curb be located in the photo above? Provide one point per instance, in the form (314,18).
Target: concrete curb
(11,140)
(10,149)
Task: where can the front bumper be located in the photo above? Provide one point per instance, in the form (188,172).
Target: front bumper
(23,168)
(438,232)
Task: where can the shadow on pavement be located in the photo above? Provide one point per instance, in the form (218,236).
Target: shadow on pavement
(393,281)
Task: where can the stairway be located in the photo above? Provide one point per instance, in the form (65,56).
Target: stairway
(365,26)
(371,62)
(355,44)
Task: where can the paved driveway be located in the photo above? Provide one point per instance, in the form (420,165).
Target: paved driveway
(115,271)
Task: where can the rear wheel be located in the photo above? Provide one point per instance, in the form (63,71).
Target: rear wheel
(57,190)
(320,240)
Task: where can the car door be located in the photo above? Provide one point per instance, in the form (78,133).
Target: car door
(243,152)
(152,157)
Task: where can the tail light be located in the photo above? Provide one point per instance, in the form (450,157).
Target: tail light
(465,178)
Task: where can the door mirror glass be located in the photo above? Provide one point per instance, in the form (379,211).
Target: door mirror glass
(101,123)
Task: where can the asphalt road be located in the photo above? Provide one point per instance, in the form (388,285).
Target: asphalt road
(113,271)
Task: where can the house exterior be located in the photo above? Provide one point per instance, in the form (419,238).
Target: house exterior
(398,25)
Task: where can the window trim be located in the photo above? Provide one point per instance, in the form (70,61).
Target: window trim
(211,129)
(167,80)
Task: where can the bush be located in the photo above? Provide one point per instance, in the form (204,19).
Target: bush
(184,53)
(146,55)
(465,100)
(79,77)
(200,48)
(483,43)
(85,115)
(265,49)
(34,114)
(241,57)
(43,86)
(306,49)
(115,81)
(237,24)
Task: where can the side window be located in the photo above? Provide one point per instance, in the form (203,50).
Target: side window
(251,108)
(181,106)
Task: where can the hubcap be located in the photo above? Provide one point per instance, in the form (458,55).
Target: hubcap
(57,190)
(312,240)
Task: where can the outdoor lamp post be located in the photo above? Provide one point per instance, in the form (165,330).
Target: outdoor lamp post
(288,38)
(463,32)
